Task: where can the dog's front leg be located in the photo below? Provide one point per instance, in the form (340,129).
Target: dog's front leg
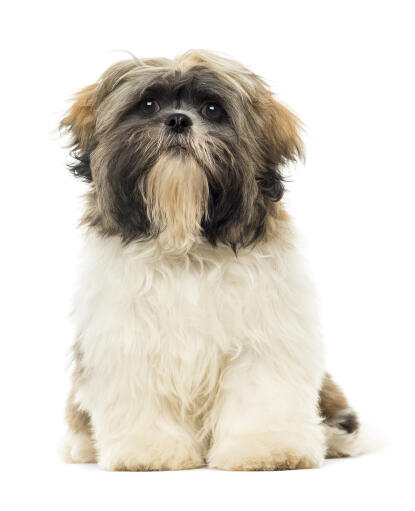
(266,415)
(134,426)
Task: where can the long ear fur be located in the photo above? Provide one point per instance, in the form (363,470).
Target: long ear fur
(283,134)
(80,119)
(80,122)
(280,144)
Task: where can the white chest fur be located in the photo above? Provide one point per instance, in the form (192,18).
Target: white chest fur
(193,309)
(133,298)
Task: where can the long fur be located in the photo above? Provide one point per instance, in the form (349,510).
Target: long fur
(197,333)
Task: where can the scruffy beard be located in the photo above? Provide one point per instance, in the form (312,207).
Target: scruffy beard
(176,194)
(179,190)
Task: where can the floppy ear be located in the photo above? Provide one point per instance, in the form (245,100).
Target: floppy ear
(80,122)
(281,144)
(282,133)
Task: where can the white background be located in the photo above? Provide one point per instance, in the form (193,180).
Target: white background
(347,69)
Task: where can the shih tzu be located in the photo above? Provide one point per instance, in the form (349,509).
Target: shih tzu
(197,335)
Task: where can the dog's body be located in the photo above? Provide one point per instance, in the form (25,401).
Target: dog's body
(198,338)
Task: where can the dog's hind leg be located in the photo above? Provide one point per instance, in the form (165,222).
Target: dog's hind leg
(77,445)
(341,422)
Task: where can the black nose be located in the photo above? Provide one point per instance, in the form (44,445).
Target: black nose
(178,122)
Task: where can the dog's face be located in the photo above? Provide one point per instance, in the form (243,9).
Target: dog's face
(184,150)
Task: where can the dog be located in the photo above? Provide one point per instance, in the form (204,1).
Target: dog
(197,335)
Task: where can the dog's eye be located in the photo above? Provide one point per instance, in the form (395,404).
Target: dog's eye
(213,111)
(149,106)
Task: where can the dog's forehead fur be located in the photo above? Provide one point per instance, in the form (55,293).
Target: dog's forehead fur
(184,81)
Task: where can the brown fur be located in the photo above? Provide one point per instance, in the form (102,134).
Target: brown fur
(334,407)
(332,399)
(78,420)
(80,118)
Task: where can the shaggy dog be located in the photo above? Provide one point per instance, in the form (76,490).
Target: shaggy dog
(197,334)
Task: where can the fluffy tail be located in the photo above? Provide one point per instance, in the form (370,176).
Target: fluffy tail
(345,436)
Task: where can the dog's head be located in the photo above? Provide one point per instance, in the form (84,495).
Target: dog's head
(182,150)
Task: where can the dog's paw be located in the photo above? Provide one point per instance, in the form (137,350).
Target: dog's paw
(264,451)
(77,448)
(148,454)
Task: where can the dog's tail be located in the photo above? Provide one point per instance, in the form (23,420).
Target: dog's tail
(344,434)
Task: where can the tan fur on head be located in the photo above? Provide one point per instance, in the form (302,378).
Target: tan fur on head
(280,126)
(80,118)
(176,191)
(283,130)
